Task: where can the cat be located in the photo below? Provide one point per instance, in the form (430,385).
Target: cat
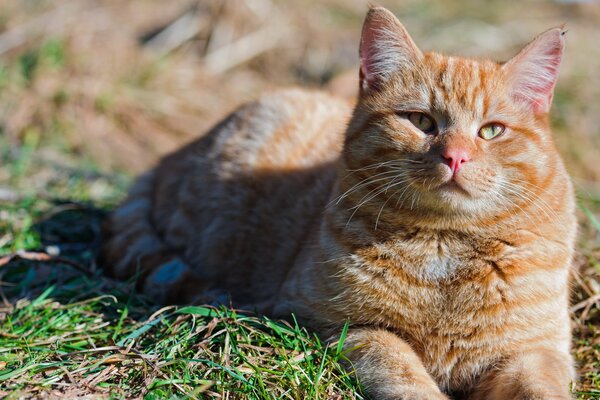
(435,214)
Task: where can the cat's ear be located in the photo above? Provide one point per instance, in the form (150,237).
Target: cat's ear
(385,48)
(533,72)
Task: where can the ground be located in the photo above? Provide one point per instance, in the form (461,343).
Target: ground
(92,92)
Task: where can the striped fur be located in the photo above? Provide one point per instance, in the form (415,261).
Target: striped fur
(455,285)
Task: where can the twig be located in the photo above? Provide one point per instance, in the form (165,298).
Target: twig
(577,276)
(177,33)
(244,49)
(95,379)
(589,301)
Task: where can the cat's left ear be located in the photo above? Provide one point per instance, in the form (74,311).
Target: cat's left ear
(386,48)
(533,72)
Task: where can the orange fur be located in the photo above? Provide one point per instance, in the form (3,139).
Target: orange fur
(455,282)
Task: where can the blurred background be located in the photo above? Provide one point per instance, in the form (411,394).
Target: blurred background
(93,91)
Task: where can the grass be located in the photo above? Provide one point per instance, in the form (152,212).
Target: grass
(106,346)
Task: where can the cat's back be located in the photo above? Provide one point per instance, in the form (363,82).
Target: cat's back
(284,129)
(234,207)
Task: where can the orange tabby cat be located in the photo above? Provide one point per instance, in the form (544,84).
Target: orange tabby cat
(437,217)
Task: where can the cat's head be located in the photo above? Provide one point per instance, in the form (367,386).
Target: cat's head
(448,134)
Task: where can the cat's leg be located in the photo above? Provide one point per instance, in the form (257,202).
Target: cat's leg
(167,279)
(537,374)
(388,367)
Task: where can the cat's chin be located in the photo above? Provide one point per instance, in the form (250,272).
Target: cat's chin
(452,197)
(453,188)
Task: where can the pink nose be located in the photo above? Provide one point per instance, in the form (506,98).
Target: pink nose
(455,158)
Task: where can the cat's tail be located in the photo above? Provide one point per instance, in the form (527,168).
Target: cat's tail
(133,249)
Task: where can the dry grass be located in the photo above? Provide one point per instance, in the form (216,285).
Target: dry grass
(90,87)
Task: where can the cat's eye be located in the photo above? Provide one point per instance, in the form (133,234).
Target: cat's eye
(490,131)
(422,121)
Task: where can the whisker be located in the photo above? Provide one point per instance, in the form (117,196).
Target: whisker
(386,201)
(530,197)
(401,197)
(540,202)
(380,189)
(526,200)
(380,176)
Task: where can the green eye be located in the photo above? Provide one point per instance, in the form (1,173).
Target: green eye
(490,131)
(422,121)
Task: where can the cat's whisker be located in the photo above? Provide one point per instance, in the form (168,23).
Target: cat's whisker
(397,162)
(331,260)
(539,201)
(401,197)
(365,182)
(391,166)
(527,183)
(373,193)
(383,206)
(503,204)
(409,196)
(399,176)
(356,208)
(377,191)
(526,202)
(380,189)
(386,201)
(419,197)
(391,178)
(530,198)
(412,203)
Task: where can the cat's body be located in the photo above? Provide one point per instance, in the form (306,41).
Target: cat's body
(264,176)
(451,280)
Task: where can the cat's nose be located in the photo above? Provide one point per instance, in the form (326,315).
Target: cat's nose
(455,157)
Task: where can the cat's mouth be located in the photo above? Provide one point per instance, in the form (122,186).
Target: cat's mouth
(441,188)
(451,186)
(451,183)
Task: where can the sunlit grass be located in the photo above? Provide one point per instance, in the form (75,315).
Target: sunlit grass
(105,343)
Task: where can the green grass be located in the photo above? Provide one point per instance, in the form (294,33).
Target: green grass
(109,345)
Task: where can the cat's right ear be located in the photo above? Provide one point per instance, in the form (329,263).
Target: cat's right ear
(534,71)
(385,48)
